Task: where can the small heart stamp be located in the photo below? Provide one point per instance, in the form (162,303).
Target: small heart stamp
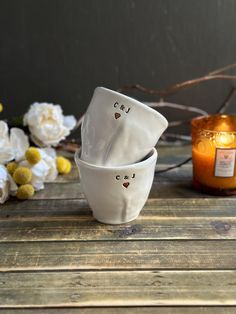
(126,184)
(117,115)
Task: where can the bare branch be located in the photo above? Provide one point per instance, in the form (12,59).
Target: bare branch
(179,86)
(177,123)
(227,101)
(79,122)
(225,68)
(176,106)
(173,89)
(177,136)
(175,166)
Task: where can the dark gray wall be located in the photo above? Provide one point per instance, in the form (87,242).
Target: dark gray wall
(60,50)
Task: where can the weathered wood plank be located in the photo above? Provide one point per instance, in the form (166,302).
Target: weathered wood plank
(67,190)
(85,228)
(128,310)
(117,288)
(173,208)
(72,220)
(122,255)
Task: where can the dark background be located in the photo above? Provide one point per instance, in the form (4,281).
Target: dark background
(60,50)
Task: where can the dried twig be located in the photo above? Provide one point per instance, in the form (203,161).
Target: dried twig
(222,70)
(177,123)
(227,101)
(69,145)
(177,136)
(79,122)
(174,166)
(163,104)
(214,75)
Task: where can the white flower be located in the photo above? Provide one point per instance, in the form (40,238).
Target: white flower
(45,170)
(47,124)
(7,185)
(13,146)
(49,156)
(4,185)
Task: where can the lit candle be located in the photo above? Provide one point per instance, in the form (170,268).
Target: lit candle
(214,153)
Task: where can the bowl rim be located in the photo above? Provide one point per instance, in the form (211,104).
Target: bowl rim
(147,160)
(138,103)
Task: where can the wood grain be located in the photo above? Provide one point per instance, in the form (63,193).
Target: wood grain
(59,220)
(173,208)
(127,310)
(131,255)
(119,288)
(85,228)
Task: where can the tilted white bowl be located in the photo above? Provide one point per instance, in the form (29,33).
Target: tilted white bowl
(119,130)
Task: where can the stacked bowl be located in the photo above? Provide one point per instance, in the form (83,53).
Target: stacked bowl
(117,158)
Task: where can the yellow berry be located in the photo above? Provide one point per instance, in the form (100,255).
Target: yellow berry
(11,167)
(33,155)
(68,167)
(25,191)
(22,175)
(1,107)
(63,165)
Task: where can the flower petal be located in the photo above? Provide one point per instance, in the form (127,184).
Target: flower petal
(37,184)
(13,186)
(6,154)
(19,142)
(3,175)
(4,184)
(49,151)
(40,170)
(4,139)
(51,163)
(69,122)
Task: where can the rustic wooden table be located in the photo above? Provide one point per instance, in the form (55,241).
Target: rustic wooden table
(179,256)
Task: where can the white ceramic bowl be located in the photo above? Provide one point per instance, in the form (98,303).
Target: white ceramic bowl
(119,130)
(117,194)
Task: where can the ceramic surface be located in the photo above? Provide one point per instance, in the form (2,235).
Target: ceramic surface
(119,130)
(117,194)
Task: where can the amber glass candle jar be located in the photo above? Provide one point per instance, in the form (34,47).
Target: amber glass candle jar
(214,153)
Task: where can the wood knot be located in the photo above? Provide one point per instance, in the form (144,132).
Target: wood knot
(221,227)
(127,231)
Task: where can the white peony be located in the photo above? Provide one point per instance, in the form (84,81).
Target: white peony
(13,145)
(47,124)
(7,185)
